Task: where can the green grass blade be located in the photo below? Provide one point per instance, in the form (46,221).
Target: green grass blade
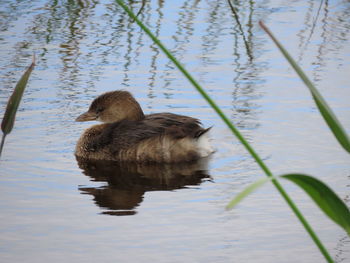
(13,103)
(324,197)
(248,190)
(328,115)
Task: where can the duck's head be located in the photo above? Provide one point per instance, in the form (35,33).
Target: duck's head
(112,107)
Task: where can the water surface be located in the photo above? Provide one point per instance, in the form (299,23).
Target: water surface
(55,209)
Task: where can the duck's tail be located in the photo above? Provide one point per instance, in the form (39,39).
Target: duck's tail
(204,143)
(201,132)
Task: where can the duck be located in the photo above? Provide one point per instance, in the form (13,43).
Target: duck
(126,134)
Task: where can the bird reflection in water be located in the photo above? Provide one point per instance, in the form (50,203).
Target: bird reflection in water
(128,182)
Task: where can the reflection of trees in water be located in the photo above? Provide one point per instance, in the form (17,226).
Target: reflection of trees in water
(89,36)
(81,20)
(128,182)
(155,51)
(88,39)
(342,253)
(327,23)
(335,28)
(246,80)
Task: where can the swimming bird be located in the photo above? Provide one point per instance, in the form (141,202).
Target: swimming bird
(127,134)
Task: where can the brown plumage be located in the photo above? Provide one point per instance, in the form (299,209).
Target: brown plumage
(129,135)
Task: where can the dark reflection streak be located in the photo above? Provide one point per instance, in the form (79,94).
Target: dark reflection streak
(139,42)
(7,15)
(340,249)
(344,242)
(235,15)
(210,40)
(184,28)
(11,12)
(307,42)
(128,52)
(182,36)
(130,27)
(140,10)
(70,49)
(83,4)
(306,26)
(49,27)
(139,45)
(322,46)
(236,82)
(156,50)
(244,81)
(250,26)
(314,23)
(167,79)
(77,14)
(154,57)
(108,46)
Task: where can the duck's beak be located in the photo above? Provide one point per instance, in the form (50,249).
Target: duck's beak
(87,116)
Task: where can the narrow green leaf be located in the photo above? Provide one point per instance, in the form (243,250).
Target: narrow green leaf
(13,103)
(324,197)
(248,190)
(328,115)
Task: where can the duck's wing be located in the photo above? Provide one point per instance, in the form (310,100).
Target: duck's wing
(126,134)
(177,126)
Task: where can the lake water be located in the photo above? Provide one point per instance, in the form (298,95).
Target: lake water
(55,209)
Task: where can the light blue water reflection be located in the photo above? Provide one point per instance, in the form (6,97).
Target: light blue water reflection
(52,210)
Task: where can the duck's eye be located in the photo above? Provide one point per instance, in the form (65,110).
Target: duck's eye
(99,110)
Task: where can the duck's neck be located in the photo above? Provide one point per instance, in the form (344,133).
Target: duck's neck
(134,113)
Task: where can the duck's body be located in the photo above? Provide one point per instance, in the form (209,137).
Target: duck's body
(129,135)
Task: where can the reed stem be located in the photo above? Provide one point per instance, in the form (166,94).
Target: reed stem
(2,143)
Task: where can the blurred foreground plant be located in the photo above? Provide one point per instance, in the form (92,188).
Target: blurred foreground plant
(315,189)
(324,197)
(13,103)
